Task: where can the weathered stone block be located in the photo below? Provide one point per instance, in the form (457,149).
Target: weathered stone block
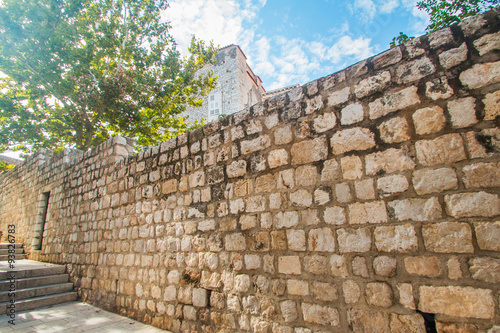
(277,158)
(453,57)
(388,161)
(324,122)
(394,130)
(416,209)
(466,302)
(438,89)
(286,220)
(338,97)
(393,102)
(488,235)
(462,112)
(306,175)
(429,120)
(357,138)
(385,266)
(338,265)
(454,269)
(369,212)
(485,269)
(343,193)
(334,215)
(289,265)
(427,181)
(379,294)
(492,105)
(488,43)
(321,315)
(445,149)
(170,186)
(372,84)
(297,287)
(481,75)
(387,58)
(392,184)
(481,175)
(331,171)
(401,238)
(321,240)
(237,169)
(296,240)
(448,237)
(368,321)
(309,151)
(259,143)
(200,297)
(352,167)
(289,311)
(316,264)
(235,242)
(472,204)
(354,240)
(351,291)
(440,38)
(414,70)
(352,114)
(424,266)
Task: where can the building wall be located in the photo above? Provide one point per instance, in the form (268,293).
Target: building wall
(343,205)
(237,85)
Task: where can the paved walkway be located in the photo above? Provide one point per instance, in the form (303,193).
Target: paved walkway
(73,317)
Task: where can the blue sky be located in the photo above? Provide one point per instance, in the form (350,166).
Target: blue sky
(293,42)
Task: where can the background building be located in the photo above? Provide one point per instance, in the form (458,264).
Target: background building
(237,86)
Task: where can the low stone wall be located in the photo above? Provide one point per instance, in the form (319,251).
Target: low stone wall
(343,205)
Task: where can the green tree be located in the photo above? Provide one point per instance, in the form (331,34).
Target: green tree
(402,38)
(444,13)
(77,72)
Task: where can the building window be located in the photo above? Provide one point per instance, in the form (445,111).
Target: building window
(214,104)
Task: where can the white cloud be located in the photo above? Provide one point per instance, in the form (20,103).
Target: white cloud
(365,8)
(388,6)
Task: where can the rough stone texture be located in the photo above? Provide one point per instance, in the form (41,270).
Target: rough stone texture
(429,120)
(277,219)
(352,139)
(448,148)
(448,237)
(394,102)
(457,301)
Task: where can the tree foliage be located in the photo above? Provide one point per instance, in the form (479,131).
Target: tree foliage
(444,13)
(77,72)
(402,38)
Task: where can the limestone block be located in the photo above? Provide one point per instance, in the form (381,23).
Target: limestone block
(364,189)
(338,97)
(352,167)
(385,266)
(170,294)
(453,57)
(416,209)
(283,135)
(481,175)
(338,265)
(351,291)
(331,171)
(414,47)
(237,169)
(325,122)
(242,283)
(306,175)
(297,287)
(334,215)
(316,264)
(235,242)
(379,294)
(440,38)
(185,294)
(407,323)
(351,114)
(278,240)
(371,85)
(492,105)
(289,265)
(445,149)
(427,181)
(454,269)
(393,102)
(392,184)
(321,315)
(277,158)
(466,302)
(289,311)
(359,267)
(321,240)
(259,143)
(488,43)
(369,212)
(400,238)
(438,89)
(423,266)
(414,70)
(253,126)
(256,203)
(472,204)
(488,235)
(200,297)
(265,183)
(388,161)
(357,138)
(252,261)
(310,216)
(314,104)
(448,237)
(387,58)
(462,112)
(429,120)
(354,240)
(406,295)
(343,192)
(457,328)
(325,291)
(286,220)
(485,269)
(481,75)
(309,151)
(394,130)
(368,321)
(296,240)
(322,196)
(472,25)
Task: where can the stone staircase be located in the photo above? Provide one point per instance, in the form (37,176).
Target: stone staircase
(32,284)
(18,248)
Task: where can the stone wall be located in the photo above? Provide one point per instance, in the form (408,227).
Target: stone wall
(343,205)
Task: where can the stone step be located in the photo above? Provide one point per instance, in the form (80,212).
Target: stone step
(37,291)
(38,302)
(7,245)
(19,250)
(33,272)
(24,283)
(5,257)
